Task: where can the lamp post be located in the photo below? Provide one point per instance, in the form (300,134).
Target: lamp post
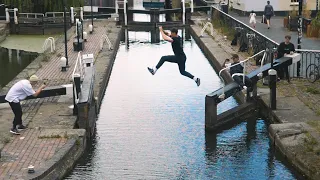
(65,32)
(92,15)
(299,33)
(317,6)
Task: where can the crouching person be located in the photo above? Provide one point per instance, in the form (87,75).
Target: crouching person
(234,69)
(18,92)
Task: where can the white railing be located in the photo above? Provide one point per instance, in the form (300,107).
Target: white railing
(205,28)
(52,44)
(307,50)
(105,38)
(79,67)
(55,14)
(31,15)
(239,74)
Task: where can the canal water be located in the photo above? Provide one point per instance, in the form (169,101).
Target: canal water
(152,127)
(12,62)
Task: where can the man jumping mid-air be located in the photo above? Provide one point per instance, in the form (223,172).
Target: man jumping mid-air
(179,57)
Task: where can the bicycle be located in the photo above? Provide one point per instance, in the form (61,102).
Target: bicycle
(312,72)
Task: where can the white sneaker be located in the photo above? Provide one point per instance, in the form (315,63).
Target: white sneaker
(244,90)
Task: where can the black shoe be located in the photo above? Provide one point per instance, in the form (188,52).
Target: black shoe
(14,131)
(198,81)
(21,127)
(151,71)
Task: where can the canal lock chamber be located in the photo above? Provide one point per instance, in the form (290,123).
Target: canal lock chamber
(12,62)
(152,127)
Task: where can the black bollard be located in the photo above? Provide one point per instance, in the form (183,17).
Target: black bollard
(77,89)
(273,88)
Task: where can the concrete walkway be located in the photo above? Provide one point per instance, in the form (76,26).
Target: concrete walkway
(50,121)
(277,31)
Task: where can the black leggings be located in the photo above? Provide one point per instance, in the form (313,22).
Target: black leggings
(181,61)
(17,110)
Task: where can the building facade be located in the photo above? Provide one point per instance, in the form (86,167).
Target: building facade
(278,5)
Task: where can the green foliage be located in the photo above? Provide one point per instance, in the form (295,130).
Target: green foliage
(315,23)
(32,6)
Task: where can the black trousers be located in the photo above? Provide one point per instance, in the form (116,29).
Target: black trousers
(284,72)
(181,61)
(17,111)
(247,82)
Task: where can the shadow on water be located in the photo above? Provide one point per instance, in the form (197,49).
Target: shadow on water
(12,62)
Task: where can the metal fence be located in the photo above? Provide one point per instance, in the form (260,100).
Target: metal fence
(259,42)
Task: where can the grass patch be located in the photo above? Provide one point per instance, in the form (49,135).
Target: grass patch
(314,124)
(312,90)
(310,143)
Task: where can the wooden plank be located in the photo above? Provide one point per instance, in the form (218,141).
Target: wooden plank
(47,92)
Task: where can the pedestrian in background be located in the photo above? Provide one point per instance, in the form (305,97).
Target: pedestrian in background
(18,92)
(252,20)
(268,12)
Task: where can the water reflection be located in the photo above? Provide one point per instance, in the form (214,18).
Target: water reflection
(12,62)
(152,127)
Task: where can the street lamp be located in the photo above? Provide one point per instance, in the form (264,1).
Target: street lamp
(92,15)
(65,32)
(299,33)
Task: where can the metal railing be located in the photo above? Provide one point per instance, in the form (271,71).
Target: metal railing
(79,67)
(239,74)
(52,44)
(307,57)
(105,38)
(205,28)
(261,42)
(31,15)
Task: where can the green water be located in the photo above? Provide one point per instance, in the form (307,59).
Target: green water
(12,62)
(30,43)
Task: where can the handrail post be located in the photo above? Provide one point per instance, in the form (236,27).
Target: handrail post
(191,4)
(125,13)
(183,12)
(117,6)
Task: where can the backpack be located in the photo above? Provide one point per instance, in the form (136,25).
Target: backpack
(234,41)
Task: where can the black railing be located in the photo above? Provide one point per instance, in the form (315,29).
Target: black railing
(258,43)
(307,57)
(261,42)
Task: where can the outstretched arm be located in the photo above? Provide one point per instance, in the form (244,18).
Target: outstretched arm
(164,36)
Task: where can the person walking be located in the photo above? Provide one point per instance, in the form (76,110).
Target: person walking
(18,92)
(268,12)
(252,20)
(179,56)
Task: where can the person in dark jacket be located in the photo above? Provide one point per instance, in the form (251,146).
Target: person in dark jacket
(179,56)
(239,69)
(284,48)
(268,12)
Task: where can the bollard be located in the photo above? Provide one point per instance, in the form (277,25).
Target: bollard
(63,62)
(211,114)
(76,91)
(90,28)
(273,88)
(77,82)
(85,36)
